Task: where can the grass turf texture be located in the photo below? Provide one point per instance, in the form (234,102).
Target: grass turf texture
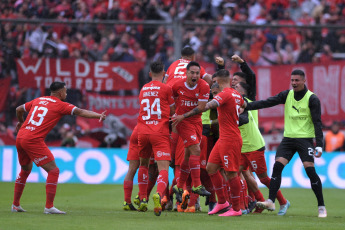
(100,207)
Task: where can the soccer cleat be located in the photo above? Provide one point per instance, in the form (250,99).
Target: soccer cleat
(220,208)
(211,206)
(251,205)
(157,204)
(178,192)
(136,200)
(185,198)
(283,208)
(267,204)
(207,201)
(322,212)
(232,212)
(53,210)
(175,206)
(244,211)
(190,209)
(164,202)
(201,191)
(17,208)
(128,207)
(143,205)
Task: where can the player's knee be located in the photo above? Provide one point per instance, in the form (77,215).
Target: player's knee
(278,167)
(311,173)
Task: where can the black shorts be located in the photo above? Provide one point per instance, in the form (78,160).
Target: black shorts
(289,146)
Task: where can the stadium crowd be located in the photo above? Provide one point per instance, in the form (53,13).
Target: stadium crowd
(264,47)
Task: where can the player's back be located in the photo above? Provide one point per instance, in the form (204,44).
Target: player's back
(155,100)
(44,114)
(229,101)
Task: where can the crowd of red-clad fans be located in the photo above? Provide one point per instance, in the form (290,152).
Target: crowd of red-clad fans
(121,42)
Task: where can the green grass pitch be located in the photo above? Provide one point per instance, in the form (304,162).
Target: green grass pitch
(100,207)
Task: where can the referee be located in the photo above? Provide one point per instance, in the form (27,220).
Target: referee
(302,118)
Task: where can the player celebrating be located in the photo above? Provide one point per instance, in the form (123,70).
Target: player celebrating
(44,113)
(192,95)
(156,105)
(302,123)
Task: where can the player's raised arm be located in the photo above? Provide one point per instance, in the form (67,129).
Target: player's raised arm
(89,114)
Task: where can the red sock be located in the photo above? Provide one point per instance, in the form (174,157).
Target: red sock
(162,182)
(228,191)
(245,194)
(188,184)
(143,181)
(235,186)
(194,162)
(184,173)
(242,205)
(128,188)
(266,181)
(51,184)
(20,185)
(166,191)
(251,194)
(193,199)
(217,181)
(258,196)
(151,184)
(206,181)
(173,143)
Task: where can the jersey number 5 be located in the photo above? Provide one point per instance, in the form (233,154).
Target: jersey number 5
(154,109)
(40,115)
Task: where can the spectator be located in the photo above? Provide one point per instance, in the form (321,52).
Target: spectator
(334,139)
(268,56)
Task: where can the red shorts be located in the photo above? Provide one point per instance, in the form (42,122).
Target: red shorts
(255,160)
(203,152)
(179,154)
(227,154)
(190,133)
(33,150)
(158,143)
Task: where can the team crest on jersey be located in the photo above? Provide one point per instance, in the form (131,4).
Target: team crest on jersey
(203,162)
(197,95)
(193,137)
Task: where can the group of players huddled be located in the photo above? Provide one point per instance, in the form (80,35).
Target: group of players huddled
(205,163)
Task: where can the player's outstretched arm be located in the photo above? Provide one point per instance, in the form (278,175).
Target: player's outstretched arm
(20,116)
(90,114)
(199,109)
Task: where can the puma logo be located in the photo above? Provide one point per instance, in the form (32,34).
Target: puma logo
(315,183)
(295,108)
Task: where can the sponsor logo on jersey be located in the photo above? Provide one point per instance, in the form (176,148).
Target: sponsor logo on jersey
(181,92)
(206,95)
(189,103)
(151,87)
(48,99)
(160,154)
(236,95)
(150,94)
(218,98)
(38,160)
(193,137)
(43,103)
(238,101)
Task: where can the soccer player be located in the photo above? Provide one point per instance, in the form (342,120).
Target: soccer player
(302,123)
(192,95)
(225,154)
(156,106)
(44,113)
(253,152)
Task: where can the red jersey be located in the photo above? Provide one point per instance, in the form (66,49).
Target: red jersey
(44,114)
(229,101)
(155,100)
(187,98)
(178,69)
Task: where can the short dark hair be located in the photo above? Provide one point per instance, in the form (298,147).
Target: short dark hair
(187,51)
(298,72)
(57,85)
(215,85)
(221,73)
(193,63)
(241,75)
(156,67)
(245,86)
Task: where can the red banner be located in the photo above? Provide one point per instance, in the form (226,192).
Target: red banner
(4,88)
(126,108)
(326,80)
(78,74)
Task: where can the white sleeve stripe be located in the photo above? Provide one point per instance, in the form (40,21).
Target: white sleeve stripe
(172,104)
(217,102)
(202,99)
(24,108)
(204,75)
(73,110)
